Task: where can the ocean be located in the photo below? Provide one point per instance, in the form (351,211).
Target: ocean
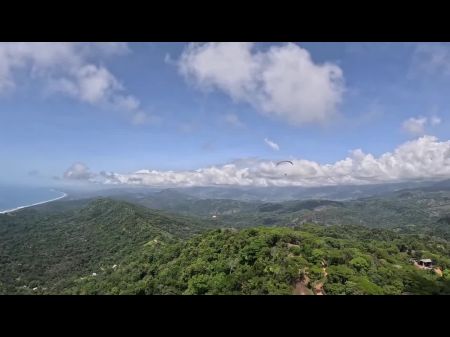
(16,196)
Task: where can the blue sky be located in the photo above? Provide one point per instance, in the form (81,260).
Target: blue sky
(51,118)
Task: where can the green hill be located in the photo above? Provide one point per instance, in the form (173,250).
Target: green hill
(46,247)
(174,201)
(107,246)
(407,211)
(312,259)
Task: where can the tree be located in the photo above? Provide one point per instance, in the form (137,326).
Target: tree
(317,255)
(359,263)
(446,274)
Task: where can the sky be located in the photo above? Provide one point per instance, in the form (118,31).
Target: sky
(184,114)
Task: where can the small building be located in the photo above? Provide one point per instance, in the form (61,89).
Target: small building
(426,263)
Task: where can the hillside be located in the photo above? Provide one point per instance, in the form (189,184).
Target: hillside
(403,211)
(310,259)
(174,201)
(45,247)
(409,210)
(106,246)
(289,193)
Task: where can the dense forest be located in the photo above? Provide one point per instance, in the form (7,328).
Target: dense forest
(106,246)
(310,259)
(44,247)
(412,211)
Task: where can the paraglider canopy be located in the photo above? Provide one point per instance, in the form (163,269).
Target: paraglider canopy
(285,161)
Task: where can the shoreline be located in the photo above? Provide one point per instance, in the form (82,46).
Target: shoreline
(35,204)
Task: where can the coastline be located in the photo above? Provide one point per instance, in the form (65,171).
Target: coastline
(35,204)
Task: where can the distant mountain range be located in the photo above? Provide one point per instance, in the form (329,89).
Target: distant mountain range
(268,194)
(423,206)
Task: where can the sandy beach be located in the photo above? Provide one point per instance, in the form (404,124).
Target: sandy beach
(38,203)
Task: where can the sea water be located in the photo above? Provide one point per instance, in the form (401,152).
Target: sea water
(19,196)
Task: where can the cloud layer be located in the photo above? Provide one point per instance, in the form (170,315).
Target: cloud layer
(282,81)
(423,158)
(68,68)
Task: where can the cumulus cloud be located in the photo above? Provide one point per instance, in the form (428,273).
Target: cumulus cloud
(68,68)
(271,144)
(423,158)
(417,126)
(78,171)
(282,81)
(95,85)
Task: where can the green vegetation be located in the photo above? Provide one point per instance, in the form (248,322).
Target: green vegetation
(346,260)
(408,211)
(46,247)
(105,246)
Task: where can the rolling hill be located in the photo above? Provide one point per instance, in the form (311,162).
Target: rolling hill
(408,211)
(305,260)
(113,246)
(45,247)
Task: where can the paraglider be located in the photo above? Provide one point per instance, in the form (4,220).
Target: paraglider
(284,162)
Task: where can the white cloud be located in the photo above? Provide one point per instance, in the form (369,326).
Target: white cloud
(282,81)
(78,171)
(67,68)
(415,126)
(233,120)
(94,85)
(423,158)
(129,103)
(271,144)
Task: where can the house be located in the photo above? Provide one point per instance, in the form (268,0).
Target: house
(426,263)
